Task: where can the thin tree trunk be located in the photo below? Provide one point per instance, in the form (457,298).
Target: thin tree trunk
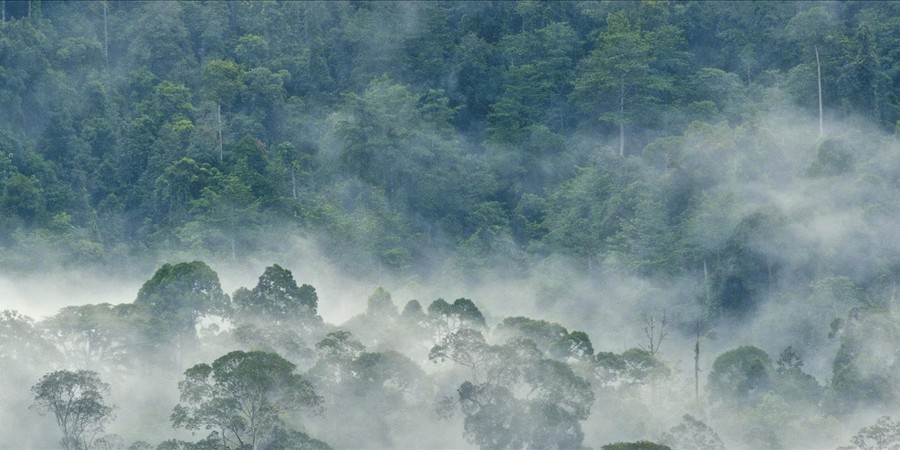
(29,9)
(233,232)
(819,79)
(622,116)
(706,282)
(105,33)
(293,182)
(219,131)
(3,7)
(697,365)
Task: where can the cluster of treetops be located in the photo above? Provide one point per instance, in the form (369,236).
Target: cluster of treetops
(521,383)
(389,132)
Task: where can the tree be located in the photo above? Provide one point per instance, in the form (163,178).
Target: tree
(648,243)
(537,81)
(336,353)
(632,367)
(276,298)
(692,434)
(381,307)
(90,335)
(22,198)
(864,371)
(76,401)
(161,41)
(175,299)
(361,386)
(792,383)
(465,347)
(591,206)
(551,338)
(882,435)
(222,81)
(21,342)
(810,28)
(227,211)
(243,396)
(864,79)
(649,326)
(385,373)
(740,375)
(621,77)
(175,190)
(547,417)
(445,318)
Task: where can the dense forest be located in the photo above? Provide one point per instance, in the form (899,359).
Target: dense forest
(665,224)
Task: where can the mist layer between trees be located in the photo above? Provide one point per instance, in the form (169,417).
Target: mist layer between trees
(575,169)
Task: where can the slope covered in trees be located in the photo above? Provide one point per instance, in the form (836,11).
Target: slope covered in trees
(393,132)
(719,174)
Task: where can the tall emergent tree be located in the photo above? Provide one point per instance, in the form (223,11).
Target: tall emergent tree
(276,298)
(175,299)
(624,75)
(242,397)
(812,28)
(76,401)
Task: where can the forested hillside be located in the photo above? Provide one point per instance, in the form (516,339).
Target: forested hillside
(659,174)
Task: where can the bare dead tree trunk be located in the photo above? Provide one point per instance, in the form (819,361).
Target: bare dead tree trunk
(655,338)
(819,79)
(3,7)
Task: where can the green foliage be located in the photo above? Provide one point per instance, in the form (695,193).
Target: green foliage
(21,342)
(479,137)
(380,305)
(445,318)
(794,384)
(692,434)
(75,399)
(740,376)
(243,394)
(548,416)
(277,299)
(222,80)
(632,367)
(92,335)
(834,157)
(22,199)
(177,296)
(883,434)
(864,369)
(465,132)
(551,338)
